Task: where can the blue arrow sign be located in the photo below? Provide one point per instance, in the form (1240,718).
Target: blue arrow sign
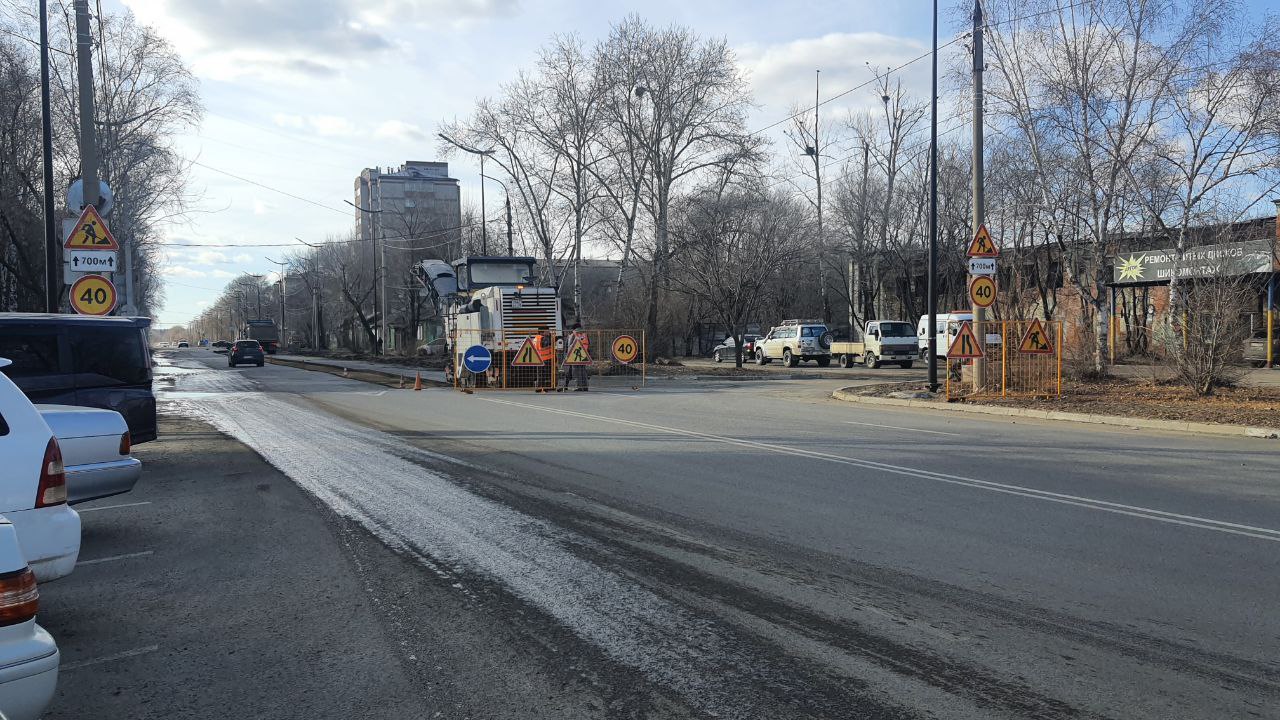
(477,359)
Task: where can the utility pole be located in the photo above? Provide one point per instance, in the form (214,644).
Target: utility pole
(816,153)
(862,221)
(383,326)
(511,248)
(88,134)
(932,347)
(979,198)
(51,283)
(484,219)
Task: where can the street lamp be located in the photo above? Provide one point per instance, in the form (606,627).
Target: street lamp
(933,215)
(484,219)
(511,251)
(381,272)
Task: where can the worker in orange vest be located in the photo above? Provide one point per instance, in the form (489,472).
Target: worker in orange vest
(546,349)
(576,372)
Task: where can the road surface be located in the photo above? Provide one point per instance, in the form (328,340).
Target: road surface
(754,550)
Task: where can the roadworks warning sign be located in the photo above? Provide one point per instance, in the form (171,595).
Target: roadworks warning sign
(577,353)
(1036,341)
(965,345)
(527,355)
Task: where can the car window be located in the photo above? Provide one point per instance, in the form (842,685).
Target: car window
(243,344)
(813,330)
(33,353)
(104,356)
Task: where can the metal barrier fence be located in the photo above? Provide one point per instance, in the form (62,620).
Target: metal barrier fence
(561,360)
(1021,358)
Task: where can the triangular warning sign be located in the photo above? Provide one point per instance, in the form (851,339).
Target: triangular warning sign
(1036,340)
(982,244)
(965,345)
(577,353)
(527,355)
(91,233)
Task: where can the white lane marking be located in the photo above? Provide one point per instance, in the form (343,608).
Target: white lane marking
(113,558)
(1204,523)
(112,507)
(110,658)
(895,427)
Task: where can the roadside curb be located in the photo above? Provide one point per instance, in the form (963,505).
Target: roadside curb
(336,369)
(1145,423)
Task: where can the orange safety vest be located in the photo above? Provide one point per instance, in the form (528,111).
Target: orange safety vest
(542,344)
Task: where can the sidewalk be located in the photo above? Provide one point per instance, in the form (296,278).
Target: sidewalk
(1259,377)
(428,374)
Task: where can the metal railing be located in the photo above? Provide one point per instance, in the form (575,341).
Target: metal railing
(563,360)
(1023,359)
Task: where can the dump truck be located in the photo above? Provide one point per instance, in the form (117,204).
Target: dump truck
(266,333)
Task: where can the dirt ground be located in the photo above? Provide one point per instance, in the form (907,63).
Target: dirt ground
(1141,398)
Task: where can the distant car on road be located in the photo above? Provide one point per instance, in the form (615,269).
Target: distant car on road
(724,351)
(33,487)
(29,657)
(87,361)
(95,451)
(184,344)
(244,352)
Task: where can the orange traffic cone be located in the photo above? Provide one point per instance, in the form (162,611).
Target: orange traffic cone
(417,381)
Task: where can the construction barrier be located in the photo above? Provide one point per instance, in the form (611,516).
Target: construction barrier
(1019,358)
(519,360)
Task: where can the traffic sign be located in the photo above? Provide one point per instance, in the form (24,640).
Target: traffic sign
(477,359)
(91,233)
(982,245)
(965,345)
(93,295)
(577,353)
(982,291)
(625,349)
(982,266)
(94,261)
(527,355)
(1036,341)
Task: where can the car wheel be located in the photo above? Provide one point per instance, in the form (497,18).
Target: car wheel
(906,364)
(760,358)
(230,364)
(824,361)
(788,359)
(260,364)
(716,357)
(871,361)
(846,361)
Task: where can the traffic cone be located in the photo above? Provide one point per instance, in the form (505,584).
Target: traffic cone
(417,380)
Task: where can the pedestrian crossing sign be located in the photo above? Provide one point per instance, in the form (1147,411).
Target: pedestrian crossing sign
(982,245)
(1036,340)
(965,346)
(527,355)
(577,353)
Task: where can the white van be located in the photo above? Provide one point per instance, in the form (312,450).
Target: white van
(948,327)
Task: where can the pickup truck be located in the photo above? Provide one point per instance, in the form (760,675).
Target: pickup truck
(892,341)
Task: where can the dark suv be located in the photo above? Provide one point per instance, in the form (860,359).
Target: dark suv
(246,351)
(100,362)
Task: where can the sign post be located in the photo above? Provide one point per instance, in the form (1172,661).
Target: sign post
(90,255)
(982,289)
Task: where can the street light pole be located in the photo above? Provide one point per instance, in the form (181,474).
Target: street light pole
(51,282)
(380,279)
(932,347)
(283,303)
(484,219)
(511,250)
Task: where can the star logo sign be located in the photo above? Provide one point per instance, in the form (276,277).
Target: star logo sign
(1131,267)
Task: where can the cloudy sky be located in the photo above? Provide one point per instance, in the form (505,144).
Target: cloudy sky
(302,94)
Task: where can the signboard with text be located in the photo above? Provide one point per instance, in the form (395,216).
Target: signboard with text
(1208,261)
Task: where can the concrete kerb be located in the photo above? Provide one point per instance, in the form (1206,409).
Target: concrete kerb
(846,394)
(334,368)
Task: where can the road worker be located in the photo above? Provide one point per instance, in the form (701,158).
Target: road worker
(544,344)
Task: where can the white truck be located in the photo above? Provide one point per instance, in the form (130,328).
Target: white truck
(883,341)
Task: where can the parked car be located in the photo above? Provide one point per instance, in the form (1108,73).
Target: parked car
(221,346)
(95,451)
(33,486)
(724,351)
(184,344)
(29,657)
(86,361)
(795,341)
(246,351)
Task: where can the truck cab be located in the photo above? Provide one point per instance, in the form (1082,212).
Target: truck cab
(883,341)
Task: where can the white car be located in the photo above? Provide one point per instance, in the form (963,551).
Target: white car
(95,451)
(28,656)
(33,486)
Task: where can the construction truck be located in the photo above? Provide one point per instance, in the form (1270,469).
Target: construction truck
(488,301)
(265,332)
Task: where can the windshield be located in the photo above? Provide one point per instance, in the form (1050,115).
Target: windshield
(499,273)
(897,330)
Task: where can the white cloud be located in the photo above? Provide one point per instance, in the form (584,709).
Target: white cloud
(288,121)
(199,303)
(207,257)
(222,274)
(399,130)
(182,271)
(456,13)
(242,258)
(319,124)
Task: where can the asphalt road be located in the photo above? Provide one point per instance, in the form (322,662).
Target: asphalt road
(759,550)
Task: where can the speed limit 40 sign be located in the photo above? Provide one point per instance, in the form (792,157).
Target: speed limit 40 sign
(93,295)
(982,291)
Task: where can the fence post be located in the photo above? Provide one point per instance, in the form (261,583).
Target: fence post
(1111,331)
(644,357)
(502,335)
(1059,358)
(1004,358)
